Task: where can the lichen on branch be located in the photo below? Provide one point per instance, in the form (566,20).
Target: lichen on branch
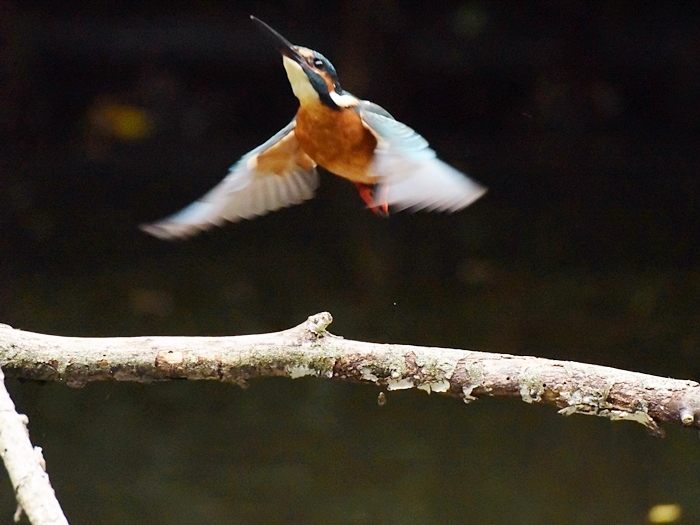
(310,350)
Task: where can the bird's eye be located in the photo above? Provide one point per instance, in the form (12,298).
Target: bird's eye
(318,63)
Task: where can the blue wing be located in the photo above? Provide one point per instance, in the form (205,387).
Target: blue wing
(272,176)
(410,174)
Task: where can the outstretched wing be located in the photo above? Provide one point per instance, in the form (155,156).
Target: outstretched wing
(272,176)
(410,175)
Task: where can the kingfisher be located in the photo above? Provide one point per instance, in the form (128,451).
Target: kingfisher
(391,165)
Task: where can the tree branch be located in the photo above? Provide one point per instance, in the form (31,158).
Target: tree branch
(309,350)
(26,467)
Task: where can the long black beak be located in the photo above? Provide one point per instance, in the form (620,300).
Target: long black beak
(283,45)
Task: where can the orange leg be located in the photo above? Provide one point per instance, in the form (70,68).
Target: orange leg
(367,194)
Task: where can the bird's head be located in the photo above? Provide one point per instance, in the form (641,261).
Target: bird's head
(312,76)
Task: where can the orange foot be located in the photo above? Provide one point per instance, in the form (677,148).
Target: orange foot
(367,194)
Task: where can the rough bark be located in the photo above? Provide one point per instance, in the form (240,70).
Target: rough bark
(26,467)
(309,350)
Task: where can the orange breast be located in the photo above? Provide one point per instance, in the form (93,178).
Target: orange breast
(337,140)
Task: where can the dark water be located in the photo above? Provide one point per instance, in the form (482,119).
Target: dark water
(581,118)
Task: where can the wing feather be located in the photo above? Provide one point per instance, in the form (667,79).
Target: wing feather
(274,175)
(410,174)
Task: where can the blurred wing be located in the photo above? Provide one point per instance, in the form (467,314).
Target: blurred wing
(272,176)
(410,175)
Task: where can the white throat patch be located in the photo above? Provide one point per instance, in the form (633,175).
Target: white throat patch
(305,92)
(301,86)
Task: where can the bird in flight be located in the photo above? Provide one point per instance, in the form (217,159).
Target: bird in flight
(391,165)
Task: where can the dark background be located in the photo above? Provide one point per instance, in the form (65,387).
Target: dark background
(582,118)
